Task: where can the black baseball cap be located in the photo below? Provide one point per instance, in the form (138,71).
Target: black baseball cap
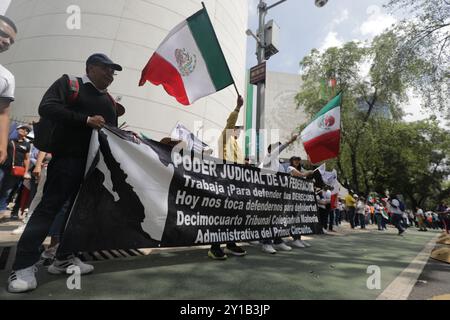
(102,58)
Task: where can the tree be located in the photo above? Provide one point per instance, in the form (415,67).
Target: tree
(411,159)
(425,38)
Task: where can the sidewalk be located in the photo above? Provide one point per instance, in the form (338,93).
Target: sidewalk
(335,267)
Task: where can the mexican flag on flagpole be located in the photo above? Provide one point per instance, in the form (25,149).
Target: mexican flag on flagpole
(189,63)
(321,138)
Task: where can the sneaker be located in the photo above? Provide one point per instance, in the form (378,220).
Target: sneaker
(19,230)
(297,244)
(325,231)
(283,247)
(22,280)
(268,248)
(236,251)
(4,215)
(60,267)
(217,254)
(306,244)
(255,243)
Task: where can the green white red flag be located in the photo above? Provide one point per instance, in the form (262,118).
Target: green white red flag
(189,63)
(321,138)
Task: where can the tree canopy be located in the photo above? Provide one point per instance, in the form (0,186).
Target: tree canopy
(424,36)
(379,151)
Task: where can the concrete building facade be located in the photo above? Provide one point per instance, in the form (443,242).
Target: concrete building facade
(57,36)
(282,116)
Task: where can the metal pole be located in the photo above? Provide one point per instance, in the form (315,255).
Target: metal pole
(261,88)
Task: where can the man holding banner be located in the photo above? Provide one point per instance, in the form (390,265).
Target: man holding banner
(92,109)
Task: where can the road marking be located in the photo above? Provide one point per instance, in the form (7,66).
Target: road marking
(401,287)
(442,297)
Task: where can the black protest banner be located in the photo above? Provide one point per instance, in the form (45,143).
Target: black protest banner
(143,195)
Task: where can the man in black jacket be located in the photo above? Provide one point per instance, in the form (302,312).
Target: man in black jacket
(92,108)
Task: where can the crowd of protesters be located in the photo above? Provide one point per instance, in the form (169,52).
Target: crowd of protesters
(42,187)
(381,211)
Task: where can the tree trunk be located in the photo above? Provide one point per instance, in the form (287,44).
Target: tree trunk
(354,171)
(413,200)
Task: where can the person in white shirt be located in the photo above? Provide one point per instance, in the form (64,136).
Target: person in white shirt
(271,165)
(397,215)
(295,169)
(421,219)
(360,212)
(8,32)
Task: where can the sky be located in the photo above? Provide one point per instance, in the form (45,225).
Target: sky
(305,26)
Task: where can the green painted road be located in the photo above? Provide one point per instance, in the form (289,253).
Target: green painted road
(335,267)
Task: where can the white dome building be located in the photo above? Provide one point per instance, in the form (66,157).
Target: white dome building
(50,44)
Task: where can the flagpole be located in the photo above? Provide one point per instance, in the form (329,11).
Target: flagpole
(235,87)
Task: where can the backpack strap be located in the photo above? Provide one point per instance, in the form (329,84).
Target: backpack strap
(14,153)
(74,89)
(113,102)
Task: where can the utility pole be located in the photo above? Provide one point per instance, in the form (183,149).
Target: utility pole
(261,43)
(261,46)
(261,87)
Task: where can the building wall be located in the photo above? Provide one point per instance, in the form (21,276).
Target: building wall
(282,115)
(4,4)
(128,31)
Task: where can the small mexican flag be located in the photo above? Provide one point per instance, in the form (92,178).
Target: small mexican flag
(189,63)
(321,138)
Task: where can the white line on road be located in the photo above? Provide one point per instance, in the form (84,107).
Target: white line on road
(401,287)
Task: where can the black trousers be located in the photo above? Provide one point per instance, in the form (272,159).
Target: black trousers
(351,216)
(323,218)
(216,246)
(397,222)
(64,177)
(330,219)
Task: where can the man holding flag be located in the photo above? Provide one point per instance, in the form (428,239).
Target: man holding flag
(190,64)
(230,151)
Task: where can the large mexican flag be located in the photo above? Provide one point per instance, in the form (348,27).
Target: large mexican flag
(189,63)
(321,138)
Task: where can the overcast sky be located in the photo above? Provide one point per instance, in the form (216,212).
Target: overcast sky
(304,27)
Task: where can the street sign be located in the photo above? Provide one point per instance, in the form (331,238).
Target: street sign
(258,73)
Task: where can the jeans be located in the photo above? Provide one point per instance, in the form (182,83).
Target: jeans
(8,183)
(337,217)
(331,219)
(57,227)
(351,216)
(64,177)
(362,221)
(379,219)
(397,220)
